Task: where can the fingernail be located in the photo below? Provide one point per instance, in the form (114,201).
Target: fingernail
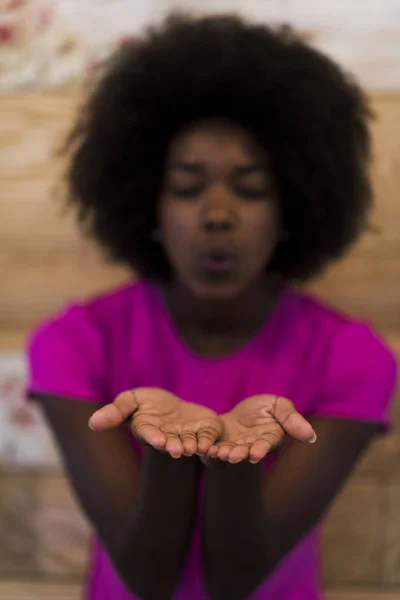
(313,439)
(98,420)
(254,462)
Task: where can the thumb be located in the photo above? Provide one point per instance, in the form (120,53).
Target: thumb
(114,414)
(293,422)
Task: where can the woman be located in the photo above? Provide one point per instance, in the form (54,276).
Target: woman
(222,161)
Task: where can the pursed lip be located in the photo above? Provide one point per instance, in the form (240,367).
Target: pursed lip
(218,259)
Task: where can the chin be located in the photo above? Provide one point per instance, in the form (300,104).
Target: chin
(218,292)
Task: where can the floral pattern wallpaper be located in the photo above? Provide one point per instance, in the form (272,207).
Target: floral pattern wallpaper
(53,43)
(50,43)
(25,441)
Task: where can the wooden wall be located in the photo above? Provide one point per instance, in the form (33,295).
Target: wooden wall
(44,262)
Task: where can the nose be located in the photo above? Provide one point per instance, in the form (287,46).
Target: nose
(218,211)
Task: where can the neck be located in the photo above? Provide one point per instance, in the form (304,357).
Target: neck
(240,316)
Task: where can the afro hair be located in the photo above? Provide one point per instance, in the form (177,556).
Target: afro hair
(311,117)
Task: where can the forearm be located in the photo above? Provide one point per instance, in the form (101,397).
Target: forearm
(235,542)
(153,546)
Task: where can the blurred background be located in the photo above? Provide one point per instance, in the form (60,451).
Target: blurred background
(50,54)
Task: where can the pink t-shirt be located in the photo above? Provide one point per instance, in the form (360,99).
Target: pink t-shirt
(324,362)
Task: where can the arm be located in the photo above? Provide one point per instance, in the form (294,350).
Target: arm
(143,514)
(251,521)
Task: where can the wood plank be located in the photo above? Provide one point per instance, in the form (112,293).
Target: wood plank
(39,590)
(379,594)
(44,262)
(392,529)
(18,543)
(365,287)
(62,531)
(34,286)
(50,590)
(44,532)
(351,549)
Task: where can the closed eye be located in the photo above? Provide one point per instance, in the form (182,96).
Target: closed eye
(185,180)
(253,193)
(186,192)
(252,182)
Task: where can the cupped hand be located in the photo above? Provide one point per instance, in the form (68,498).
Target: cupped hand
(257,426)
(162,420)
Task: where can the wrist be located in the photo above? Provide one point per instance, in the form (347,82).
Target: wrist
(235,471)
(166,481)
(153,458)
(234,494)
(159,466)
(242,480)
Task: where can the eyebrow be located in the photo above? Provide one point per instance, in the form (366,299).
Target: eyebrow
(249,169)
(191,167)
(194,167)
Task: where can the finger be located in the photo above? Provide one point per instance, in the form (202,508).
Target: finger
(206,439)
(213,451)
(224,451)
(259,450)
(189,442)
(114,414)
(238,453)
(293,422)
(173,444)
(151,435)
(265,444)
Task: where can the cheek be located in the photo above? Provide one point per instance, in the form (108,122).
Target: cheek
(264,228)
(176,226)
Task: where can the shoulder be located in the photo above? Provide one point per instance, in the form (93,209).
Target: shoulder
(340,334)
(69,352)
(357,368)
(308,308)
(91,317)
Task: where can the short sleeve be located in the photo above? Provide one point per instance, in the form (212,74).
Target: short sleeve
(65,357)
(360,377)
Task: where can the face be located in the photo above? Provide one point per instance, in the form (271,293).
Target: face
(219,214)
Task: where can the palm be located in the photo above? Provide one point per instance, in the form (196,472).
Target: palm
(164,421)
(257,426)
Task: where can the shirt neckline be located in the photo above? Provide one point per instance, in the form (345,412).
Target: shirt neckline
(243,350)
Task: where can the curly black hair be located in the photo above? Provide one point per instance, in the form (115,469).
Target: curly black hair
(311,117)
